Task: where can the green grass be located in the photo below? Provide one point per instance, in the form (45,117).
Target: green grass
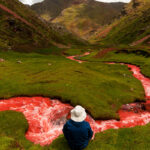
(75,51)
(126,139)
(131,27)
(87,17)
(95,86)
(14,126)
(50,51)
(7,143)
(137,56)
(29,37)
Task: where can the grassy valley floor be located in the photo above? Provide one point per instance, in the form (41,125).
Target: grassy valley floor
(14,126)
(100,88)
(136,56)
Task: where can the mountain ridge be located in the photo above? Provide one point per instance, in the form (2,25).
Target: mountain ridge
(78,14)
(133,28)
(21,29)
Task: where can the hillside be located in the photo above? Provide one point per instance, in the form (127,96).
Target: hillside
(50,9)
(133,28)
(82,17)
(21,29)
(109,78)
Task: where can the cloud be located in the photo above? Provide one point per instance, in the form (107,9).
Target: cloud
(30,2)
(108,1)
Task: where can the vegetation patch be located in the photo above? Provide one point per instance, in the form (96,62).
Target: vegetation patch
(133,28)
(95,86)
(87,17)
(14,126)
(125,139)
(137,56)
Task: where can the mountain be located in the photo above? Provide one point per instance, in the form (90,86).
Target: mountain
(50,9)
(133,28)
(82,17)
(21,29)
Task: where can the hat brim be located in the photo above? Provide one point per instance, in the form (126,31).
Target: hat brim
(79,119)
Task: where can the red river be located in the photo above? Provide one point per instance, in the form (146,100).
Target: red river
(46,116)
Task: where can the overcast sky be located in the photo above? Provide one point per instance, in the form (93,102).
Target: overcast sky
(30,2)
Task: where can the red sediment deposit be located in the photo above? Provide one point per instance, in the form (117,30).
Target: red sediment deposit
(15,15)
(46,117)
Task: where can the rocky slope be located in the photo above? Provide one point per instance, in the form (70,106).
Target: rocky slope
(50,9)
(82,17)
(133,28)
(21,29)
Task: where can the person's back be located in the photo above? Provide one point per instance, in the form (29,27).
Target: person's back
(77,131)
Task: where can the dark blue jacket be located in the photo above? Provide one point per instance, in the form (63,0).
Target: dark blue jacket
(78,134)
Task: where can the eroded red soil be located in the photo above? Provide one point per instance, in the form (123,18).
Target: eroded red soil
(46,117)
(104,52)
(15,15)
(140,41)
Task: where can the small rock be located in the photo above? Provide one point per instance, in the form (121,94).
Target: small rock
(2,60)
(9,48)
(132,89)
(19,62)
(127,107)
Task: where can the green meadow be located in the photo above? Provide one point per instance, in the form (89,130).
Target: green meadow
(99,87)
(137,56)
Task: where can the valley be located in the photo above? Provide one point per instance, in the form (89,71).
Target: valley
(55,55)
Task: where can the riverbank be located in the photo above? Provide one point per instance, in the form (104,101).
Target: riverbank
(40,134)
(101,88)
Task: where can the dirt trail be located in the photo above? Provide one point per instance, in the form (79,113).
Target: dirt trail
(16,16)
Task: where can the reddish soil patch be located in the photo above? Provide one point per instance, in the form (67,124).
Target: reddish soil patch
(15,15)
(105,32)
(140,41)
(104,52)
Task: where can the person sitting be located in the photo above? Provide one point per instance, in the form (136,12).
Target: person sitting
(77,132)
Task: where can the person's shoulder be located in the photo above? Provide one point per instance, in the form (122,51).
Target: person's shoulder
(86,123)
(67,124)
(68,121)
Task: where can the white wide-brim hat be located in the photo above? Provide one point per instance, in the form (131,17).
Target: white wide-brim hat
(78,114)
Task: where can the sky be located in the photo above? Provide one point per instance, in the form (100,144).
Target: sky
(30,2)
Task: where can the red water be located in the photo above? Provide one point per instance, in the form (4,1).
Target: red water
(74,57)
(46,117)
